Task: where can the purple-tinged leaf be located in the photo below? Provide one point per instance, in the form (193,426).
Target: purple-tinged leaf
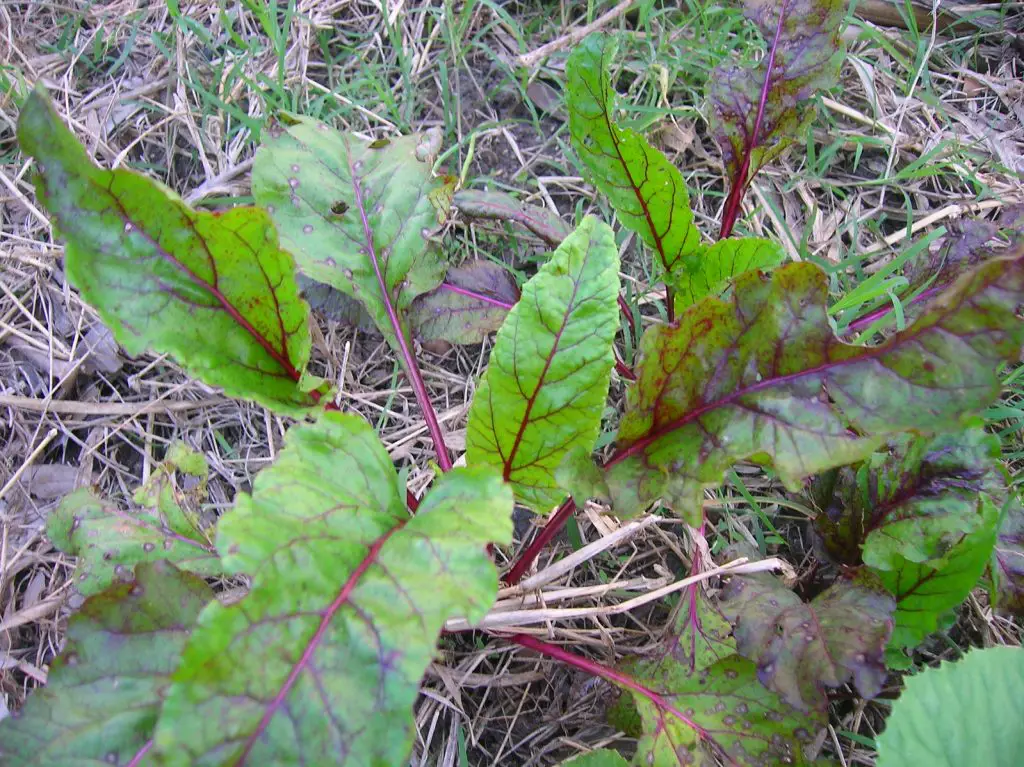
(756,112)
(335,305)
(763,377)
(803,648)
(647,191)
(912,501)
(471,303)
(544,390)
(321,662)
(542,222)
(1008,560)
(215,290)
(103,695)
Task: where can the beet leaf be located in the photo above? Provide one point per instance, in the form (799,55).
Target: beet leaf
(214,290)
(647,191)
(802,648)
(103,695)
(357,214)
(1008,559)
(470,304)
(763,377)
(321,662)
(721,263)
(544,390)
(544,223)
(756,112)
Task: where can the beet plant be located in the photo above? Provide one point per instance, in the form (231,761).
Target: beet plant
(351,578)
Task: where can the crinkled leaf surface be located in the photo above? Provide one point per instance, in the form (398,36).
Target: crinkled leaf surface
(477,203)
(913,501)
(721,263)
(321,662)
(966,712)
(721,710)
(103,696)
(647,191)
(925,594)
(763,377)
(1008,559)
(214,290)
(357,214)
(110,542)
(544,390)
(804,55)
(471,303)
(802,648)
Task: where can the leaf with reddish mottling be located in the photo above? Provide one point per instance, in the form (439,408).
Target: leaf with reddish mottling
(471,303)
(214,290)
(647,191)
(755,112)
(721,713)
(1008,559)
(103,695)
(802,648)
(763,377)
(926,594)
(544,390)
(912,501)
(358,215)
(720,264)
(321,662)
(477,203)
(110,542)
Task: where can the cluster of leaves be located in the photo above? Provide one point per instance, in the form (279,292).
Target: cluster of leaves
(349,582)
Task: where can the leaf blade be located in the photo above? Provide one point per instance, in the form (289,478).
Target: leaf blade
(471,303)
(722,262)
(319,633)
(214,290)
(550,368)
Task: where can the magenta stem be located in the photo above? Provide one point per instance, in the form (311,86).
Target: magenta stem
(477,296)
(555,523)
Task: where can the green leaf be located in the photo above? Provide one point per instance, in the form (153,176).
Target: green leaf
(103,696)
(471,303)
(321,662)
(925,593)
(968,712)
(603,757)
(722,710)
(722,262)
(1008,559)
(542,222)
(110,543)
(548,375)
(647,191)
(802,648)
(805,55)
(763,377)
(212,289)
(357,214)
(913,501)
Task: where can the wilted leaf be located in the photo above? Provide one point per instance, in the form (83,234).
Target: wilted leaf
(335,305)
(471,303)
(722,262)
(722,710)
(802,648)
(214,290)
(542,222)
(647,191)
(548,376)
(926,594)
(914,500)
(110,542)
(804,55)
(763,377)
(966,712)
(1008,560)
(103,696)
(357,215)
(321,662)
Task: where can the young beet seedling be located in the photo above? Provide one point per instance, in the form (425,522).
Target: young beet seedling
(320,662)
